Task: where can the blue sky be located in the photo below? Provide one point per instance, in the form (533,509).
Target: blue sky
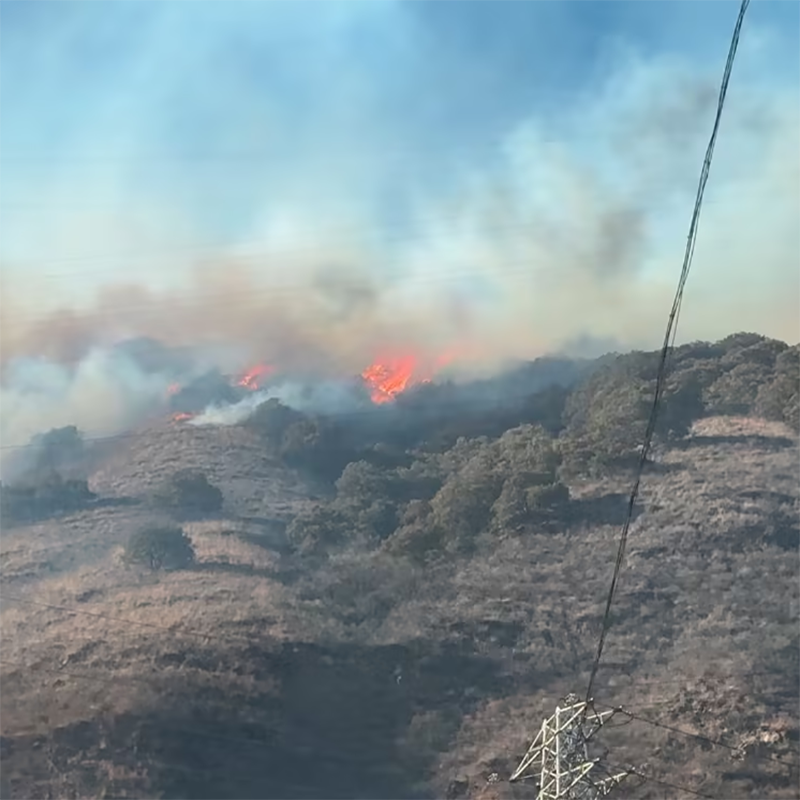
(135,136)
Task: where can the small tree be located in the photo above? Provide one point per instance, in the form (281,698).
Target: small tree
(189,490)
(316,530)
(160,547)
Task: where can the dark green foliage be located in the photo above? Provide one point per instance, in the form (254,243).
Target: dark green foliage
(50,495)
(60,450)
(189,492)
(548,498)
(462,508)
(317,530)
(48,481)
(441,500)
(419,540)
(160,548)
(751,343)
(525,501)
(378,520)
(748,363)
(736,390)
(605,417)
(272,419)
(360,482)
(312,444)
(780,398)
(484,489)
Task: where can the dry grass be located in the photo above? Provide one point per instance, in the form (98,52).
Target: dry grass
(707,599)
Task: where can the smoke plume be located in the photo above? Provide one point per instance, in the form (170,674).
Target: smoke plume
(369,226)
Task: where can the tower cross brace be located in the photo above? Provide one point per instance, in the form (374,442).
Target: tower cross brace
(559,755)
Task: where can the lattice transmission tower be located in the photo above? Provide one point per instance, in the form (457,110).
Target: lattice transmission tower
(559,757)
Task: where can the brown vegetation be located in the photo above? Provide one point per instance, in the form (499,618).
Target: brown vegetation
(399,626)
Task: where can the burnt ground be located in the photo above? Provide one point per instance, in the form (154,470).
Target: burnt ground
(255,675)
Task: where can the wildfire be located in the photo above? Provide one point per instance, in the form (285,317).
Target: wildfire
(387,378)
(253,378)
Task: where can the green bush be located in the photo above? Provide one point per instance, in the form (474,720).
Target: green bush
(188,491)
(317,530)
(310,443)
(361,482)
(160,548)
(50,494)
(780,398)
(606,417)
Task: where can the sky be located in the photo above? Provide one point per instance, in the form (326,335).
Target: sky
(522,171)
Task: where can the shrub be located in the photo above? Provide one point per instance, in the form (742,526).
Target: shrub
(418,541)
(315,531)
(780,398)
(378,520)
(189,491)
(361,483)
(606,417)
(160,548)
(736,391)
(49,495)
(524,500)
(313,444)
(272,419)
(528,449)
(60,450)
(549,498)
(462,507)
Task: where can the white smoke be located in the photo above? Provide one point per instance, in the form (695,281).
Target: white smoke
(104,393)
(328,397)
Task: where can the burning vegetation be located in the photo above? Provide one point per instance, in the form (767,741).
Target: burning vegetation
(389,556)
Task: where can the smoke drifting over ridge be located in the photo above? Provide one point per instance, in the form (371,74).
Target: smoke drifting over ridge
(569,223)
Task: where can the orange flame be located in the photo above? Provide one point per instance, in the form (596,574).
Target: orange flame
(181,416)
(252,379)
(388,377)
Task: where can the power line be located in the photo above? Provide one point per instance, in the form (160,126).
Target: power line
(386,153)
(344,237)
(497,272)
(231,250)
(651,779)
(668,341)
(699,737)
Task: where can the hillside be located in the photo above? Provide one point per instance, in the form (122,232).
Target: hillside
(398,623)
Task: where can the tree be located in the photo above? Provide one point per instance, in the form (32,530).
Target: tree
(361,483)
(50,494)
(160,547)
(462,507)
(189,491)
(780,399)
(315,531)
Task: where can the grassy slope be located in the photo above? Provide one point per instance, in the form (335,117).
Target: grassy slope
(245,678)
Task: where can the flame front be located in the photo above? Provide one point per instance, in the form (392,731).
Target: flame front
(182,416)
(388,378)
(254,377)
